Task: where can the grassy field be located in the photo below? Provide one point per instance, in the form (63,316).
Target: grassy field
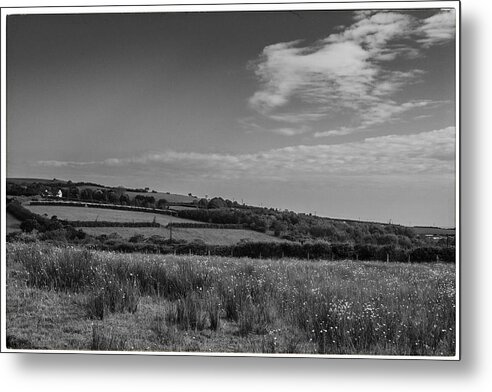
(102,214)
(209,236)
(74,299)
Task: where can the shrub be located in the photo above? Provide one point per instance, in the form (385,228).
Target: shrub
(29,225)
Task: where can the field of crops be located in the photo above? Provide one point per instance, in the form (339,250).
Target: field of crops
(208,236)
(102,214)
(75,299)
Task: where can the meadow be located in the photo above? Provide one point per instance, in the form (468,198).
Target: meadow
(67,298)
(208,236)
(101,214)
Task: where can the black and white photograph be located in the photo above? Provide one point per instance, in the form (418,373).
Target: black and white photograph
(263,180)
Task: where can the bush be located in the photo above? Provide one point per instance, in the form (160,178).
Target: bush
(29,225)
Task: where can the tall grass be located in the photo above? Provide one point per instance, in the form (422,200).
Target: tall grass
(105,339)
(323,307)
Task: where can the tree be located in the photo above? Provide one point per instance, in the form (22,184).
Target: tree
(217,202)
(150,201)
(86,194)
(119,191)
(162,204)
(124,199)
(98,195)
(29,225)
(113,197)
(203,203)
(278,227)
(74,192)
(144,201)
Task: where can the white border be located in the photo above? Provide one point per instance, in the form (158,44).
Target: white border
(225,8)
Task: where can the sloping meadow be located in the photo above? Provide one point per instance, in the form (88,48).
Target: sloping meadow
(215,304)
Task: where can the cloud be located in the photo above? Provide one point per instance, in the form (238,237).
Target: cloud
(438,29)
(251,126)
(334,132)
(347,72)
(289,131)
(425,153)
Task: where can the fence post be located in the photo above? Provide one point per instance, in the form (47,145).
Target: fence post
(308,255)
(387,257)
(409,258)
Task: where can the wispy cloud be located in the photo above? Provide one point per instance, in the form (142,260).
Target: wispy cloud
(404,155)
(438,29)
(288,131)
(347,72)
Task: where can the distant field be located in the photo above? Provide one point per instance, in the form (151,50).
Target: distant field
(181,208)
(433,230)
(209,236)
(13,224)
(102,214)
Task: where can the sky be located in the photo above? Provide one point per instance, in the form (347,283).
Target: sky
(347,114)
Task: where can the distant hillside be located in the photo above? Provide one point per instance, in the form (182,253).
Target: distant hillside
(75,190)
(423,230)
(26,181)
(283,224)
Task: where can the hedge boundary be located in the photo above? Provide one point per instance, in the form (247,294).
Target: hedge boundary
(192,225)
(112,224)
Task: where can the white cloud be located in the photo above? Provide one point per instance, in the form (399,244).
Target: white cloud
(289,131)
(347,71)
(423,153)
(334,132)
(438,29)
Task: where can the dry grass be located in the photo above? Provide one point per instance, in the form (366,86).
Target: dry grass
(169,303)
